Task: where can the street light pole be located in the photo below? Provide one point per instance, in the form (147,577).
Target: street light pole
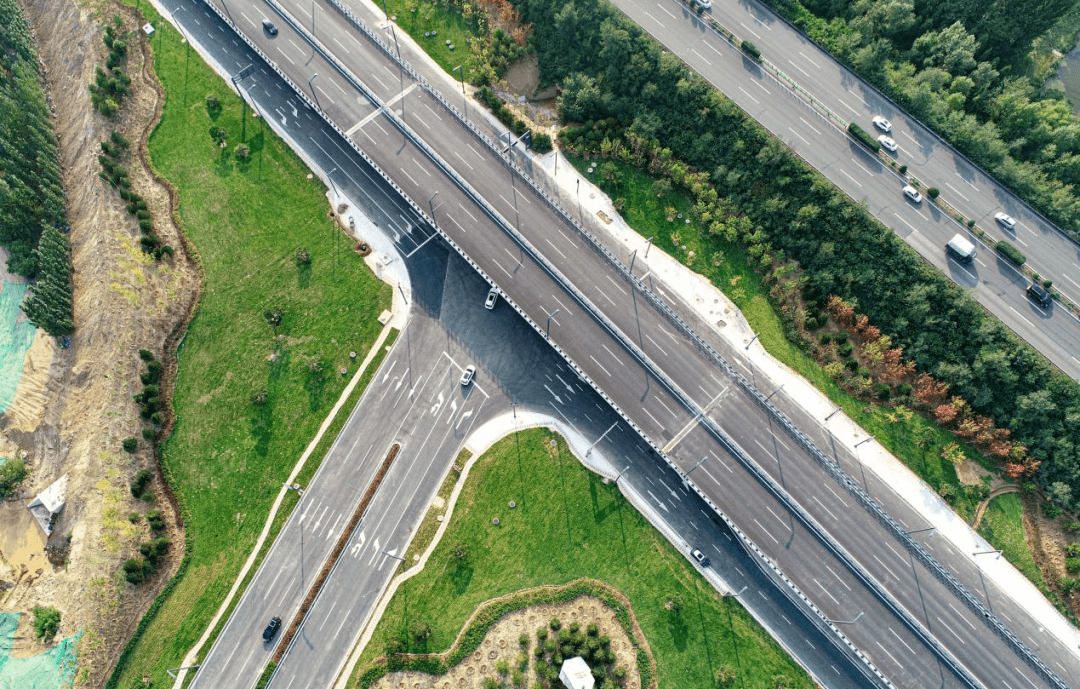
(589,451)
(648,245)
(846,621)
(312,89)
(547,332)
(431,208)
(625,469)
(330,176)
(696,465)
(461,73)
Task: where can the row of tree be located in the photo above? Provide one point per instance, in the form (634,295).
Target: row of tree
(962,68)
(33,223)
(750,188)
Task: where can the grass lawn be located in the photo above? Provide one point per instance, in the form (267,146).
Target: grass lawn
(227,457)
(913,439)
(1003,527)
(448,24)
(568,525)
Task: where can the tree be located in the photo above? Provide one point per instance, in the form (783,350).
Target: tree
(726,676)
(420,631)
(674,602)
(219,135)
(46,622)
(242,152)
(129,444)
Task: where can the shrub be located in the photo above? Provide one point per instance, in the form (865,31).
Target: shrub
(1071,526)
(751,50)
(141,481)
(134,571)
(541,142)
(146,355)
(46,622)
(155,520)
(1072,565)
(149,433)
(157,418)
(303,258)
(1072,550)
(129,444)
(1050,510)
(593,629)
(845,349)
(933,193)
(554,623)
(260,398)
(542,634)
(212,102)
(1010,252)
(242,151)
(1047,283)
(523,640)
(502,667)
(882,391)
(863,137)
(903,169)
(12,473)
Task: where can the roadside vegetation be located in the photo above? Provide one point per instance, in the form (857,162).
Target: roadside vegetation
(33,220)
(576,526)
(970,74)
(259,367)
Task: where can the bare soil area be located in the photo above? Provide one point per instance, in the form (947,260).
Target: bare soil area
(74,405)
(501,644)
(519,86)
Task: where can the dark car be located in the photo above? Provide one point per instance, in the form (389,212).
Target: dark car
(272,629)
(271,28)
(1040,294)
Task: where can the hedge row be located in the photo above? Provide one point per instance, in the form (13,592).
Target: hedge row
(863,137)
(1010,252)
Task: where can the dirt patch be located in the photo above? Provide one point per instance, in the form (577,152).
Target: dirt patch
(501,644)
(74,405)
(1046,539)
(519,87)
(971,474)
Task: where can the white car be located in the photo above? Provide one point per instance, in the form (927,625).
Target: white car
(913,194)
(492,297)
(467,376)
(704,4)
(887,143)
(882,124)
(1005,221)
(700,557)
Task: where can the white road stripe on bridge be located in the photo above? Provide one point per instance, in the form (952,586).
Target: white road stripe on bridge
(617,285)
(673,414)
(660,425)
(602,367)
(826,591)
(889,569)
(823,506)
(837,577)
(612,354)
(701,56)
(756,34)
(798,67)
(903,642)
(807,58)
(965,181)
(422,168)
(950,630)
(766,532)
(341,46)
(454,220)
(655,344)
(800,136)
(749,96)
(962,617)
(888,654)
(816,131)
(463,160)
(554,247)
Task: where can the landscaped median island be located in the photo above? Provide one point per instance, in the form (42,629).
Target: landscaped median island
(571,548)
(284,301)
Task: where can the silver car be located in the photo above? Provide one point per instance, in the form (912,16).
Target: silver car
(887,143)
(1005,221)
(882,124)
(467,376)
(912,193)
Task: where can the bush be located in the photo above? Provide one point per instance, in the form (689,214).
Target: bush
(541,142)
(863,137)
(845,349)
(882,391)
(134,571)
(1071,526)
(12,473)
(554,623)
(1072,565)
(46,622)
(146,355)
(149,433)
(212,102)
(155,520)
(1050,510)
(1072,550)
(933,193)
(142,480)
(1010,252)
(129,444)
(903,169)
(751,50)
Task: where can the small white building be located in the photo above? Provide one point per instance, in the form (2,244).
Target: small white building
(49,503)
(575,674)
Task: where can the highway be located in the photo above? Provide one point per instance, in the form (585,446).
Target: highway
(586,335)
(994,282)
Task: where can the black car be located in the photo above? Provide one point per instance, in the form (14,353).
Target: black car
(271,28)
(1040,294)
(272,628)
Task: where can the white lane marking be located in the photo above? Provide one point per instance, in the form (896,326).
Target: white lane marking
(767,532)
(777,517)
(889,569)
(1072,281)
(722,462)
(467,212)
(800,136)
(950,630)
(848,107)
(454,220)
(714,49)
(888,654)
(343,91)
(798,67)
(568,312)
(667,12)
(463,160)
(903,642)
(750,30)
(1023,243)
(962,617)
(744,91)
(601,366)
(755,83)
(555,247)
(654,343)
(341,46)
(837,577)
(807,58)
(910,137)
(894,550)
(961,178)
(673,414)
(655,420)
(603,294)
(325,94)
(422,168)
(659,23)
(826,591)
(904,221)
(284,54)
(409,176)
(437,116)
(701,56)
(1024,319)
(823,506)
(858,165)
(956,191)
(816,131)
(612,354)
(616,284)
(844,172)
(835,494)
(1025,677)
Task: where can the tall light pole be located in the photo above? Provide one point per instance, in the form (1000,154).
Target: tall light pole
(648,245)
(461,73)
(547,332)
(312,89)
(696,465)
(431,208)
(846,621)
(612,426)
(330,176)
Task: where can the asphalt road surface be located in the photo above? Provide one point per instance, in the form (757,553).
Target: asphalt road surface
(636,390)
(994,282)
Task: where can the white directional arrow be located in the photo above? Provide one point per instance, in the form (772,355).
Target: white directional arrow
(375,548)
(557,398)
(463,417)
(567,385)
(670,490)
(438,405)
(658,502)
(283,121)
(386,375)
(295,112)
(453,410)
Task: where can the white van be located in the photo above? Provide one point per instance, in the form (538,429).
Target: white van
(961,249)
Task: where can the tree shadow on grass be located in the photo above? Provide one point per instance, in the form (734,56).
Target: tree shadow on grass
(315,385)
(262,417)
(680,631)
(303,275)
(461,576)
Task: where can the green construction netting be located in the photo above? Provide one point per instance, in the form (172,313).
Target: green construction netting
(16,336)
(53,669)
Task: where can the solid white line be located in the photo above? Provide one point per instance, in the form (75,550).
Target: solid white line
(409,176)
(422,168)
(722,462)
(432,111)
(454,220)
(782,443)
(837,577)
(606,296)
(1025,677)
(856,164)
(617,286)
(475,151)
(568,313)
(903,642)
(342,47)
(893,549)
(904,221)
(467,212)
(888,654)
(1024,319)
(284,54)
(714,49)
(950,629)
(807,58)
(823,506)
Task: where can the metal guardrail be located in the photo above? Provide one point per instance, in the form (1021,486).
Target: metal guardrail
(631,348)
